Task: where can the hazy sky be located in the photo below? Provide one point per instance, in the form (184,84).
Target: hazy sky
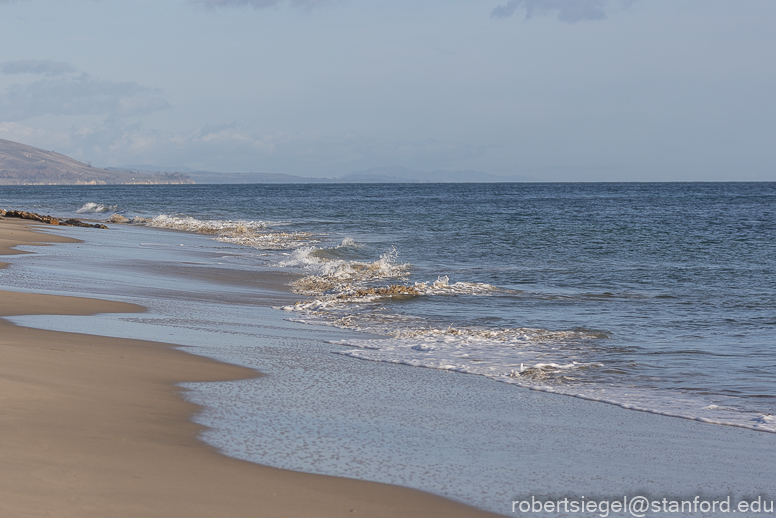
(552,89)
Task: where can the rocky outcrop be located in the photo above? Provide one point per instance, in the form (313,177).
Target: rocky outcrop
(49,220)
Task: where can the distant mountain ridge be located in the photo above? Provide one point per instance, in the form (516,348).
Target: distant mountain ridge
(404,174)
(209,177)
(21,164)
(373,175)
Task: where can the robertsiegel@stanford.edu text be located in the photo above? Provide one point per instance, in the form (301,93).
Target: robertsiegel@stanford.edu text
(639,506)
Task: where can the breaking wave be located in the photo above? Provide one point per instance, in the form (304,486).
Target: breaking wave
(91,207)
(252,234)
(336,277)
(348,243)
(442,286)
(190,224)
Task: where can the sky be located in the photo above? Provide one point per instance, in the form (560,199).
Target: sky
(553,90)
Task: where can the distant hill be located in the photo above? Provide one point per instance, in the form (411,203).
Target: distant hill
(405,175)
(211,177)
(26,165)
(148,168)
(374,175)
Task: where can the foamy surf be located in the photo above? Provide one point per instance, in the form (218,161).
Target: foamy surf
(529,272)
(91,207)
(253,234)
(511,353)
(190,224)
(660,402)
(533,359)
(337,276)
(442,286)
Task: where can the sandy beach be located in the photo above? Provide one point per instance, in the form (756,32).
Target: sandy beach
(96,426)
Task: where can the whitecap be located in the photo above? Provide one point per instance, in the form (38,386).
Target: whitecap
(91,207)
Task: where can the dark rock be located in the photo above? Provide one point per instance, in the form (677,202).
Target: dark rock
(50,220)
(77,223)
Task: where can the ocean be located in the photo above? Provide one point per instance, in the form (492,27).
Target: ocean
(655,297)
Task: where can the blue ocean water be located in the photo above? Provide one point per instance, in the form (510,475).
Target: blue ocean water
(656,297)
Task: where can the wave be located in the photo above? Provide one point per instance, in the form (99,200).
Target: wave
(118,218)
(535,359)
(665,403)
(253,234)
(267,240)
(200,226)
(91,207)
(442,286)
(525,353)
(509,335)
(339,276)
(348,242)
(345,285)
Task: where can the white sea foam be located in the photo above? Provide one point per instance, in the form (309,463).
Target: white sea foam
(508,353)
(348,243)
(442,286)
(91,207)
(267,240)
(343,282)
(335,277)
(201,226)
(536,359)
(663,402)
(252,234)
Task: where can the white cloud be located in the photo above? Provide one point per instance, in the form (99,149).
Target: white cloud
(81,95)
(43,138)
(567,10)
(236,148)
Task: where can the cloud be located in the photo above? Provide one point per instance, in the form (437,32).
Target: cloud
(45,67)
(257,4)
(44,138)
(570,11)
(230,147)
(233,147)
(80,95)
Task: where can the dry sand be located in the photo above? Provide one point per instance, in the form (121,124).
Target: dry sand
(95,426)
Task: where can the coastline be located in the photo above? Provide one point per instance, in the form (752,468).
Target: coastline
(96,426)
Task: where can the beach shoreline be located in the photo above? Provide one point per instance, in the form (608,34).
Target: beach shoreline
(466,438)
(96,426)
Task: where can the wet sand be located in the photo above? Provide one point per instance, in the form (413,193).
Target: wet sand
(96,426)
